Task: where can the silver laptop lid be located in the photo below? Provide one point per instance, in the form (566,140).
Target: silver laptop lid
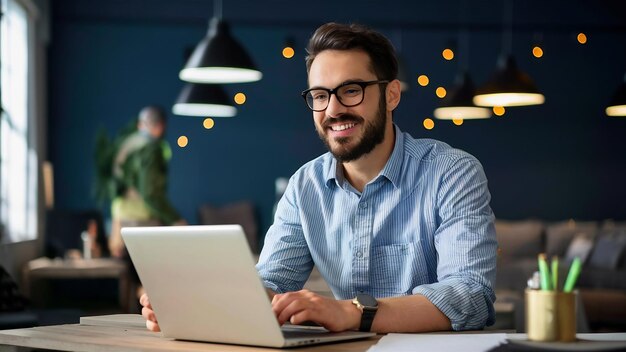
(203,284)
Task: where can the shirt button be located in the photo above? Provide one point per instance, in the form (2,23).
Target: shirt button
(359,254)
(363,205)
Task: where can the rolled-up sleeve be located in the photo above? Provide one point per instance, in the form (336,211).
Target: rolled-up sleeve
(466,246)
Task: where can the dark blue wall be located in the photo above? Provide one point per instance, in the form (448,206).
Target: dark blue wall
(564,159)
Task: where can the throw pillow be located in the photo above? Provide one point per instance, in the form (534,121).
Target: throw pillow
(559,235)
(580,247)
(607,253)
(519,239)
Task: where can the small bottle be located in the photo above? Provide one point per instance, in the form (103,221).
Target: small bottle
(86,244)
(533,281)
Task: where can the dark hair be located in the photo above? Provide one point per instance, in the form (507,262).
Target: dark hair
(336,36)
(152,115)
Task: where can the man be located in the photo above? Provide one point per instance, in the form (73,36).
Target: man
(401,225)
(140,179)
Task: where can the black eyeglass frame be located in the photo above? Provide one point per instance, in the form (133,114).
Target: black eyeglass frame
(362,84)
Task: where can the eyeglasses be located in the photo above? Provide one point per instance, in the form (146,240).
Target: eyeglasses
(348,94)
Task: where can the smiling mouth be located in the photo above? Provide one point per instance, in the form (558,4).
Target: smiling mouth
(342,127)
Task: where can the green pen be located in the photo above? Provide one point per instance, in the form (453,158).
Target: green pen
(555,272)
(572,276)
(544,272)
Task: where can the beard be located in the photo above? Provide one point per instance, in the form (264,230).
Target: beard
(373,135)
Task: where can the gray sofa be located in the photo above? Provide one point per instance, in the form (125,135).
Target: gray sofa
(600,244)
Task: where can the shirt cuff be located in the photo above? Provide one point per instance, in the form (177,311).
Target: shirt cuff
(468,306)
(272,286)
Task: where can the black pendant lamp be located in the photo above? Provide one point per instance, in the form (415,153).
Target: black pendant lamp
(206,100)
(458,104)
(508,85)
(219,58)
(617,107)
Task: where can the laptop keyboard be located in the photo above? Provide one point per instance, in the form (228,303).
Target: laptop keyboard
(302,331)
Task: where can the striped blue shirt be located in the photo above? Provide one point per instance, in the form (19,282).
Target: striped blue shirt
(422,226)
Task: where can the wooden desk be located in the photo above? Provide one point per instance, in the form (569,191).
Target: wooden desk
(98,268)
(127,332)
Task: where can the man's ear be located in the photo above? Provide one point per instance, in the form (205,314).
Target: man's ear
(393,94)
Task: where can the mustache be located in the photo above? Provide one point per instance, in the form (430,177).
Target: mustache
(341,119)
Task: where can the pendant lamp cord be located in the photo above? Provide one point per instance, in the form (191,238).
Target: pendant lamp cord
(1,109)
(507,44)
(217,9)
(464,37)
(399,40)
(465,49)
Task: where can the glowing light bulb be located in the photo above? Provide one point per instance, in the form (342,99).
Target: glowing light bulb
(208,123)
(499,110)
(537,52)
(240,98)
(441,92)
(429,124)
(423,80)
(288,52)
(447,54)
(182,141)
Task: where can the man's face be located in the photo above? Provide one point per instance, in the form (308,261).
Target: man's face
(155,130)
(348,132)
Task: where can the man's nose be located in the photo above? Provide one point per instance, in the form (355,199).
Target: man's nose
(335,108)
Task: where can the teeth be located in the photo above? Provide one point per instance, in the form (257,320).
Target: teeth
(342,127)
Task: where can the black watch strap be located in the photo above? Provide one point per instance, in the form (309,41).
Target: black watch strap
(367,318)
(368,306)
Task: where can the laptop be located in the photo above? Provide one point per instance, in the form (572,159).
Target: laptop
(203,286)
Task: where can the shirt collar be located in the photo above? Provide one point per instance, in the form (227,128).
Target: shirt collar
(333,172)
(393,167)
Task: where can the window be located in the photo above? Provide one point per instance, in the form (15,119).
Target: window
(18,157)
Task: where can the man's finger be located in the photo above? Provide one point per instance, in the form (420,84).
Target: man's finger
(279,302)
(152,326)
(145,301)
(148,314)
(302,317)
(294,307)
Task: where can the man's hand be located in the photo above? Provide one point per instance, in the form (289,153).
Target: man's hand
(301,306)
(151,322)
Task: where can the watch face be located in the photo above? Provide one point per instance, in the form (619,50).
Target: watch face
(366,300)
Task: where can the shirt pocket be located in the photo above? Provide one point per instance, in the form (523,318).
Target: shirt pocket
(396,269)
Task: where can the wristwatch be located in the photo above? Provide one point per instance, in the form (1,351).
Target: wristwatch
(368,307)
